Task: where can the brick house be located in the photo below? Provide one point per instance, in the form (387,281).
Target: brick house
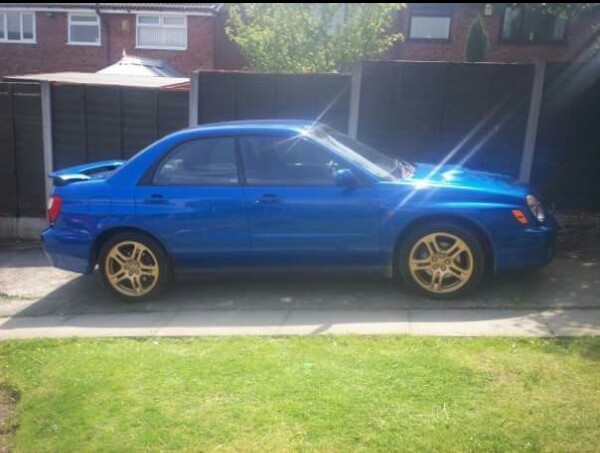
(50,37)
(438,32)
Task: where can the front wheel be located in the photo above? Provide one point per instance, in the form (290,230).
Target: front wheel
(134,267)
(441,261)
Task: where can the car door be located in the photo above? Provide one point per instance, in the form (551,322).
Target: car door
(298,215)
(194,202)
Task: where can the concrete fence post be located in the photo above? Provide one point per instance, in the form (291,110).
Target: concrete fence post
(535,105)
(193,99)
(46,100)
(355,91)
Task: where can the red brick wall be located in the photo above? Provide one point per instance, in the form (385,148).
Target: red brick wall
(578,33)
(53,54)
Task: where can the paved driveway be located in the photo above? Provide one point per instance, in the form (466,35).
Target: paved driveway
(30,289)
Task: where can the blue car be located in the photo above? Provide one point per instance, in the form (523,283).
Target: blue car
(289,195)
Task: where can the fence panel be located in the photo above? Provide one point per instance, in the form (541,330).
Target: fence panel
(172,111)
(92,123)
(8,172)
(29,149)
(567,155)
(104,137)
(68,125)
(250,96)
(472,113)
(140,119)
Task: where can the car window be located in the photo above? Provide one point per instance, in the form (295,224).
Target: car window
(200,163)
(270,160)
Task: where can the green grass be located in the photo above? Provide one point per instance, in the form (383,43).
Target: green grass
(305,393)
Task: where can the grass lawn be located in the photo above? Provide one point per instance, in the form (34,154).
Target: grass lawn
(305,393)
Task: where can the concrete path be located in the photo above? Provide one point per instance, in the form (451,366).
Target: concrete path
(467,322)
(39,301)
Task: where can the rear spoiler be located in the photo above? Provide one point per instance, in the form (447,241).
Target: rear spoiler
(83,172)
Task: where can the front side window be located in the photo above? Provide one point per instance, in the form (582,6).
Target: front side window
(161,32)
(430,21)
(523,25)
(271,160)
(17,27)
(84,29)
(205,162)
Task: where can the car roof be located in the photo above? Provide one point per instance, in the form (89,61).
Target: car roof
(257,125)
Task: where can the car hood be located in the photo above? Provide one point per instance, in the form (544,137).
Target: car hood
(465,178)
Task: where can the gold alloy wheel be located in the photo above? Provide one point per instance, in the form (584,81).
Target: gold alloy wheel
(131,268)
(441,262)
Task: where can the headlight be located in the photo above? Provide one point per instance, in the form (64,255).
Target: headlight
(536,208)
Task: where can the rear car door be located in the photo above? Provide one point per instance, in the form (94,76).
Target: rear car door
(298,215)
(193,201)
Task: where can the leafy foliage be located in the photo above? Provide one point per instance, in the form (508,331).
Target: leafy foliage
(477,41)
(564,10)
(311,37)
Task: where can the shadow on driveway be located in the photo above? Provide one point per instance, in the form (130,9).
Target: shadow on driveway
(319,300)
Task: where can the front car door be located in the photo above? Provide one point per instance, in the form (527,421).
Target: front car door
(298,215)
(194,202)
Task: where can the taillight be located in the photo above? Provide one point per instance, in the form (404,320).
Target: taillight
(54,206)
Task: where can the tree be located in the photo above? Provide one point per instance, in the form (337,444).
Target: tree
(477,41)
(311,37)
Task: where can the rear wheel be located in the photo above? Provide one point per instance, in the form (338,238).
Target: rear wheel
(441,261)
(134,267)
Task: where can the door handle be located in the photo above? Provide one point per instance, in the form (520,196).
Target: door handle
(156,198)
(267,198)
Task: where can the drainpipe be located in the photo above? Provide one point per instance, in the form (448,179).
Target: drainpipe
(106,30)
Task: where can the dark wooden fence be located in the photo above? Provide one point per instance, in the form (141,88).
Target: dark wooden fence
(226,96)
(567,156)
(463,113)
(22,190)
(427,112)
(91,123)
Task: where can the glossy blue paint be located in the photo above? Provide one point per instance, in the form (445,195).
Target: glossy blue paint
(357,222)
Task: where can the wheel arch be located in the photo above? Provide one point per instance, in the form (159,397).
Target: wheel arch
(465,222)
(103,237)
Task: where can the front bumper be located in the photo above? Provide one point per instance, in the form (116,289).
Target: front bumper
(69,250)
(526,248)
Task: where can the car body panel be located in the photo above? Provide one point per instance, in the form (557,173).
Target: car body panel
(204,226)
(252,226)
(314,225)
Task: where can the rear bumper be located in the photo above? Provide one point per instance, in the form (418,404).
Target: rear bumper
(528,248)
(69,250)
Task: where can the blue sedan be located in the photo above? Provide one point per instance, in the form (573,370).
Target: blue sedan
(289,195)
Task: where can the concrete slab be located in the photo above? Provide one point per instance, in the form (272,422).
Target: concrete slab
(520,323)
(566,323)
(479,323)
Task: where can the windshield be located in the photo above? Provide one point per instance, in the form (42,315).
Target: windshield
(370,159)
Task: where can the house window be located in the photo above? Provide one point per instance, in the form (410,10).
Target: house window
(17,27)
(84,29)
(522,25)
(161,32)
(430,21)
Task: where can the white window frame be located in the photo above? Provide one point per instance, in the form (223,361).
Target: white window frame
(33,40)
(70,22)
(161,17)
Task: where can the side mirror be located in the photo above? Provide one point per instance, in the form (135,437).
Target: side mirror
(345,178)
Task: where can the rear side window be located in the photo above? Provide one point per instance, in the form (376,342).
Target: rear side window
(270,160)
(203,162)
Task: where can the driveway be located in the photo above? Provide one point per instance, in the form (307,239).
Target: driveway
(37,300)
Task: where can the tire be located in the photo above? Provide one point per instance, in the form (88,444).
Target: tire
(451,269)
(134,267)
